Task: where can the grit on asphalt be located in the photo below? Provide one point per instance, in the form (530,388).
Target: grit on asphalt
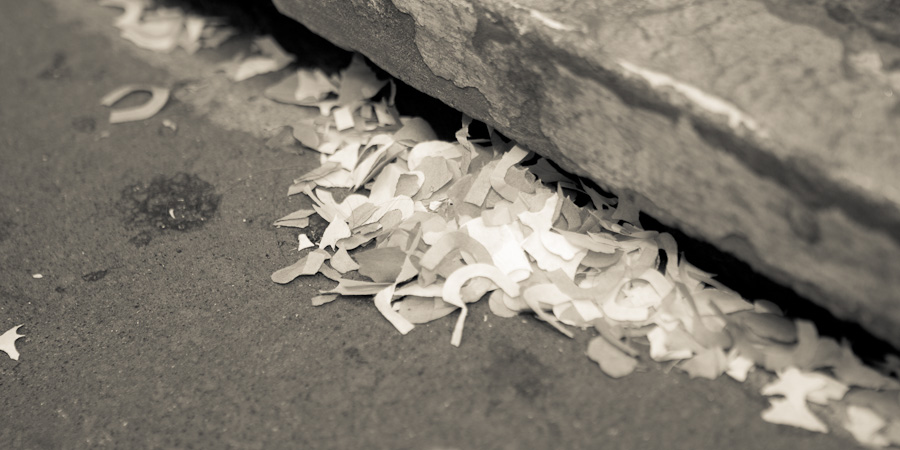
(138,336)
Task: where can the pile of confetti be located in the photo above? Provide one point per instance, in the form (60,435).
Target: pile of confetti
(439,225)
(427,227)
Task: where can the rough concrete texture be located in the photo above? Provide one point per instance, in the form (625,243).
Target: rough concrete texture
(141,337)
(767,128)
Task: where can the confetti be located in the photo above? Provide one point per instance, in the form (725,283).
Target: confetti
(158,98)
(322,299)
(304,242)
(268,57)
(613,361)
(165,29)
(445,224)
(795,386)
(8,342)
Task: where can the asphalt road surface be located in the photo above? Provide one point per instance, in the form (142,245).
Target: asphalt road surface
(138,336)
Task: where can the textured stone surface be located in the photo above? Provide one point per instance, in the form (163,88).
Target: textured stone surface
(768,128)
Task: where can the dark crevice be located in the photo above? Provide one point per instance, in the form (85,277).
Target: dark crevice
(739,276)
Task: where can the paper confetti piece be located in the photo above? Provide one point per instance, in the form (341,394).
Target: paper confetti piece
(670,345)
(336,230)
(613,361)
(355,287)
(383,303)
(296,219)
(739,368)
(358,82)
(307,265)
(784,411)
(342,262)
(158,98)
(343,118)
(381,264)
(8,342)
(133,9)
(313,85)
(271,58)
(304,242)
(322,299)
(709,364)
(794,385)
(159,31)
(419,310)
(454,283)
(865,425)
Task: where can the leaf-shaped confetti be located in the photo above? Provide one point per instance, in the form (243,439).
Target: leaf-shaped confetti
(296,219)
(313,85)
(356,287)
(784,411)
(381,264)
(865,425)
(709,364)
(794,385)
(769,326)
(739,367)
(613,361)
(342,262)
(322,299)
(423,309)
(304,242)
(335,231)
(8,342)
(358,82)
(307,265)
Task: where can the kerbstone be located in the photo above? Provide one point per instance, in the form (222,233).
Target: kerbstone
(769,129)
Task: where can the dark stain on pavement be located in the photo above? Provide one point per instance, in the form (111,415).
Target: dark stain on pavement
(84,124)
(182,202)
(353,354)
(518,369)
(94,276)
(57,68)
(5,229)
(142,239)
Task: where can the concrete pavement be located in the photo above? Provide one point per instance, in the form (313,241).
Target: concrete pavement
(141,337)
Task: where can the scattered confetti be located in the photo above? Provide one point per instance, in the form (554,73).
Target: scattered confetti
(170,125)
(612,360)
(267,56)
(455,222)
(427,227)
(304,242)
(8,342)
(158,98)
(795,386)
(865,425)
(165,29)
